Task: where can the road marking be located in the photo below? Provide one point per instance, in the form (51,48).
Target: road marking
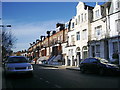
(57,86)
(47,81)
(41,78)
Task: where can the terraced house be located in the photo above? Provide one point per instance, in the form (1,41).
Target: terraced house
(93,32)
(78,34)
(50,47)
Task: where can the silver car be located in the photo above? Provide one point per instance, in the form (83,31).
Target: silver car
(18,64)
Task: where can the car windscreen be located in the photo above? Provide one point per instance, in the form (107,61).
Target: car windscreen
(17,60)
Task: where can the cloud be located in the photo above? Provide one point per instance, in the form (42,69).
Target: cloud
(28,32)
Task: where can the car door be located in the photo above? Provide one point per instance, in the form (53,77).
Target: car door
(86,63)
(93,64)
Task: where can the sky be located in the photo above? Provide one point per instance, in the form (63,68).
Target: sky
(30,20)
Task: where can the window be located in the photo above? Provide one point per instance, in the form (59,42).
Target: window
(93,60)
(87,60)
(82,17)
(72,25)
(79,18)
(98,30)
(78,35)
(117,4)
(97,50)
(117,22)
(72,40)
(70,52)
(17,60)
(76,21)
(84,35)
(66,25)
(97,14)
(85,52)
(115,47)
(85,17)
(93,51)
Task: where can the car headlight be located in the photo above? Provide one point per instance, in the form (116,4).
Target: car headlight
(30,67)
(10,68)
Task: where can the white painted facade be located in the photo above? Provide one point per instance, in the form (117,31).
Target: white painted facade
(78,35)
(82,26)
(96,32)
(70,48)
(97,43)
(114,23)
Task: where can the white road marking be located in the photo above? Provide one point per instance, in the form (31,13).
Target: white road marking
(47,81)
(49,68)
(57,86)
(41,78)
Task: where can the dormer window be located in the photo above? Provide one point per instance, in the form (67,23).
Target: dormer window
(97,14)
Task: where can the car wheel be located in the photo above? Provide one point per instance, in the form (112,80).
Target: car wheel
(82,70)
(101,71)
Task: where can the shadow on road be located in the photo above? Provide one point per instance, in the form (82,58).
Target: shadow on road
(18,76)
(116,75)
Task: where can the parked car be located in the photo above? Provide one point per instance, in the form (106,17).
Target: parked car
(18,64)
(97,65)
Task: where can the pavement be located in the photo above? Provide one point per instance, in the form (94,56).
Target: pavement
(61,67)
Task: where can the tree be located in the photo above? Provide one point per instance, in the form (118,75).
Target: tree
(8,41)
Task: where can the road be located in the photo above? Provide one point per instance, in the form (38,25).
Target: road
(49,77)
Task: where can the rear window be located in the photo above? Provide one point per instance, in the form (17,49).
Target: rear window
(94,60)
(85,61)
(17,60)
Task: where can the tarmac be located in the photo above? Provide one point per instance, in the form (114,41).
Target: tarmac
(61,67)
